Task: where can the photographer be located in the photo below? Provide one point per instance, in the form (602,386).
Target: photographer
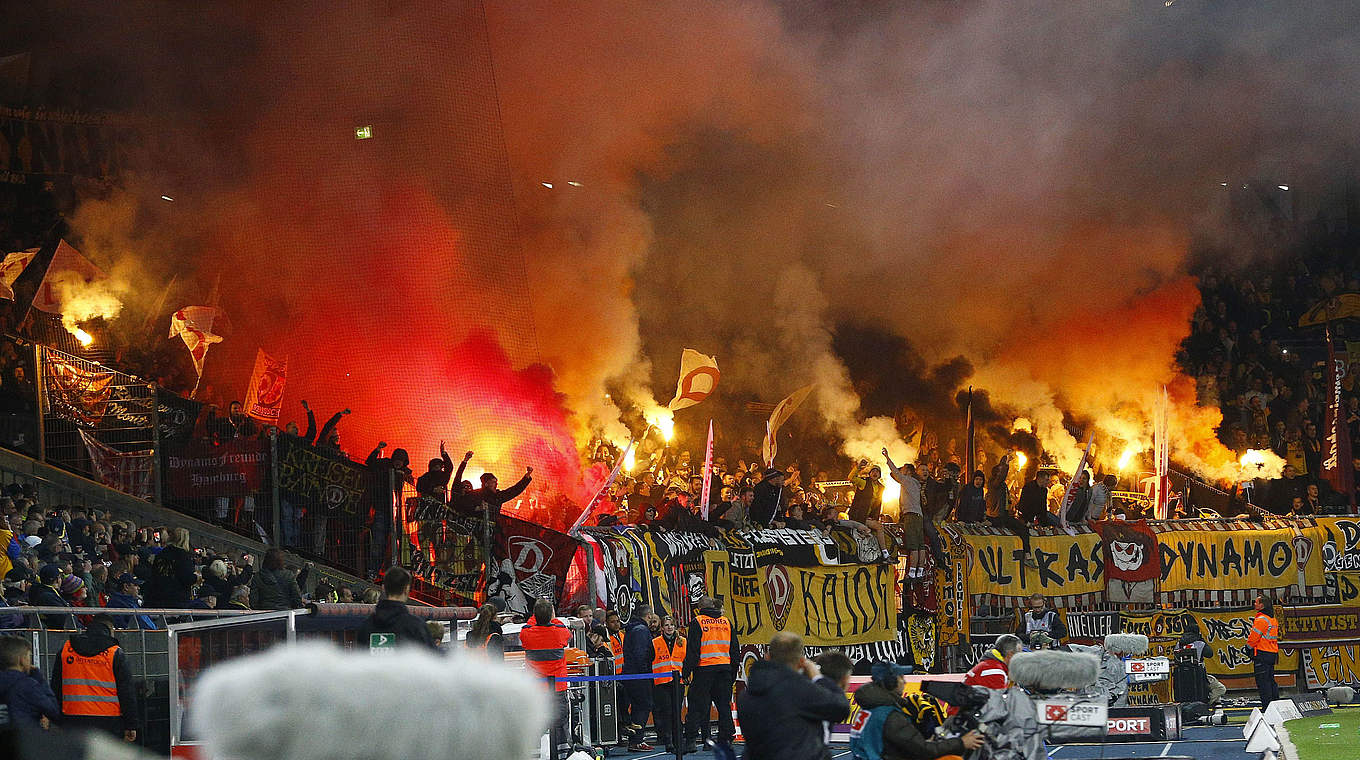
(882,731)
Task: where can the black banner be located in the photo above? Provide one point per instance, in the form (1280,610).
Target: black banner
(308,477)
(177,415)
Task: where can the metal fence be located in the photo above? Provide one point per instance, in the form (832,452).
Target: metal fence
(446,552)
(147,653)
(97,422)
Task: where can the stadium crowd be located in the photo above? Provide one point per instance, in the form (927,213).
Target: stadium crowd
(73,557)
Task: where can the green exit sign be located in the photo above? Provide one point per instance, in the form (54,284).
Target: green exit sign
(382,643)
(364,132)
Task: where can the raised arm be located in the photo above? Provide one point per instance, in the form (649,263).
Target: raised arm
(310,438)
(893,468)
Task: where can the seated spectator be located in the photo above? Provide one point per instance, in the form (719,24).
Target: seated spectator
(46,593)
(239,600)
(206,599)
(126,596)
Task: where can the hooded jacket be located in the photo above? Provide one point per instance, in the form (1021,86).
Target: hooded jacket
(28,697)
(89,644)
(902,740)
(274,590)
(972,502)
(391,616)
(781,713)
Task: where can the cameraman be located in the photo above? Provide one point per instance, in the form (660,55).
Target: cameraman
(882,731)
(990,671)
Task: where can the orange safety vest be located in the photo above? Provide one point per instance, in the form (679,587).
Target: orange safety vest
(1265,634)
(616,646)
(88,686)
(668,659)
(715,642)
(545,649)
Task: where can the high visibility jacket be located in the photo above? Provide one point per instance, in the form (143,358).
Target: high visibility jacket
(88,685)
(616,646)
(545,649)
(1265,634)
(668,659)
(715,640)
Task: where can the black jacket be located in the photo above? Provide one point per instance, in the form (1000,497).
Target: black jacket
(638,650)
(274,590)
(781,713)
(172,575)
(902,740)
(393,617)
(40,595)
(767,503)
(89,644)
(470,501)
(694,636)
(972,504)
(1033,502)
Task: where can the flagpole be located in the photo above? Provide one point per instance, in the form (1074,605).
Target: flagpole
(590,506)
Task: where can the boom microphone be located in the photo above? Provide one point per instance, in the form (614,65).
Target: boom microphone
(1054,669)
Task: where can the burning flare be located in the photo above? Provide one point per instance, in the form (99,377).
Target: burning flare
(1130,452)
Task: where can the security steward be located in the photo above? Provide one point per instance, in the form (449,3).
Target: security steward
(710,664)
(544,639)
(1264,643)
(93,683)
(669,658)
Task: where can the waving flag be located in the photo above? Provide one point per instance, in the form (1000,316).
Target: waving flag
(11,268)
(782,412)
(194,325)
(698,377)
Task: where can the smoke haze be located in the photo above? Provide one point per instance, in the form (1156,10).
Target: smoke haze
(1007,193)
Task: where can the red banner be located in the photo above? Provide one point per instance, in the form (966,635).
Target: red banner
(264,397)
(199,469)
(125,471)
(1130,549)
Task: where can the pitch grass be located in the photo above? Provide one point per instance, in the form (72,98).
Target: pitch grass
(1315,743)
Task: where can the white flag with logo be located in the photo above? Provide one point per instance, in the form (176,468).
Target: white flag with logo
(698,377)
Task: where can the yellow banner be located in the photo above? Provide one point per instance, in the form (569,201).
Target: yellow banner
(827,606)
(951,591)
(1197,560)
(1066,565)
(1225,632)
(1230,559)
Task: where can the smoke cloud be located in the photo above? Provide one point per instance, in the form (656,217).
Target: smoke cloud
(1014,190)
